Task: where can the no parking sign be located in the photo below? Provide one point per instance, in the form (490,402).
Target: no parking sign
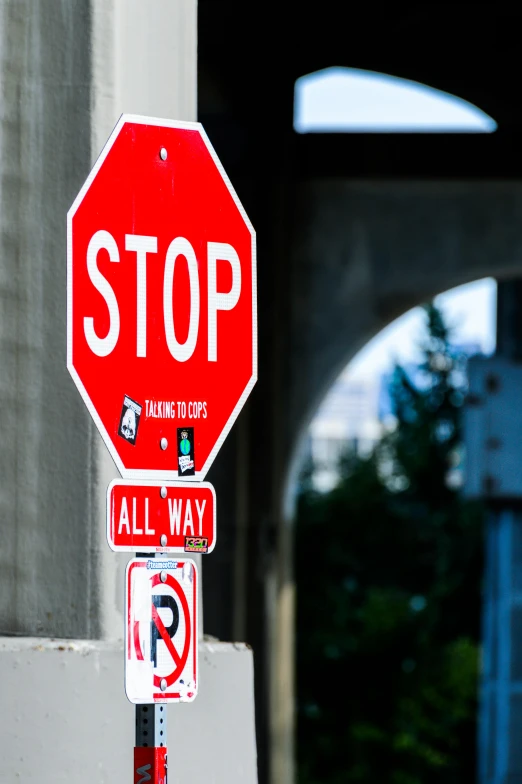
(161,630)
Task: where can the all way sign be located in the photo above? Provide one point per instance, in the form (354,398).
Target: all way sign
(161,650)
(169,517)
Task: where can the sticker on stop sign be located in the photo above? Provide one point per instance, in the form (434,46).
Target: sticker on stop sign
(169,517)
(162,312)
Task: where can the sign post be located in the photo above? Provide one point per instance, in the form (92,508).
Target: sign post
(150,751)
(162,346)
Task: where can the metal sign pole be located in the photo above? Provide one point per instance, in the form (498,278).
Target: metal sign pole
(150,751)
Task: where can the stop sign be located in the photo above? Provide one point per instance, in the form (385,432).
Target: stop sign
(161,298)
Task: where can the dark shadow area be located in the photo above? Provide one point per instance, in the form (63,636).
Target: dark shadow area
(352,230)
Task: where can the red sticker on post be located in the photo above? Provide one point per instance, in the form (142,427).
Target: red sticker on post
(150,764)
(164,517)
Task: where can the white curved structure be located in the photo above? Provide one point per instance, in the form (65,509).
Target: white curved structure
(348,99)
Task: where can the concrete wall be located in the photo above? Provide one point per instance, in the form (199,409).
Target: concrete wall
(67,72)
(65,717)
(49,581)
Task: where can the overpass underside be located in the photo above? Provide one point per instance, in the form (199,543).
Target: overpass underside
(352,231)
(362,253)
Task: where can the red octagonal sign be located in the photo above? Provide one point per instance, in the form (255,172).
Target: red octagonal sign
(161,298)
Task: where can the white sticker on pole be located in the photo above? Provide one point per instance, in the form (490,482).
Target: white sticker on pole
(161,650)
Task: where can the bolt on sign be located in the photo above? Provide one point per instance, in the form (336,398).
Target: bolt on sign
(161,298)
(169,517)
(161,650)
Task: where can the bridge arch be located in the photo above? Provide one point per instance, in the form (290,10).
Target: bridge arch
(339,99)
(365,253)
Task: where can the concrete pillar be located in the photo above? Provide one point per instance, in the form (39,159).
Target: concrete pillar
(67,72)
(51,538)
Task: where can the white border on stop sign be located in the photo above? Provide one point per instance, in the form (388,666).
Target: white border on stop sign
(129,473)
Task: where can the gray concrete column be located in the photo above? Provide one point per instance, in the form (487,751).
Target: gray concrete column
(68,69)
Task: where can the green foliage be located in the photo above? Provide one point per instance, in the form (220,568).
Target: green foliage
(387,637)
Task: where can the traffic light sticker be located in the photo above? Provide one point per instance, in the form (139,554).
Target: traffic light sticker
(161,631)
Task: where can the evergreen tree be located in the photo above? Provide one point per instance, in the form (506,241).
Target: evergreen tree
(387,638)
